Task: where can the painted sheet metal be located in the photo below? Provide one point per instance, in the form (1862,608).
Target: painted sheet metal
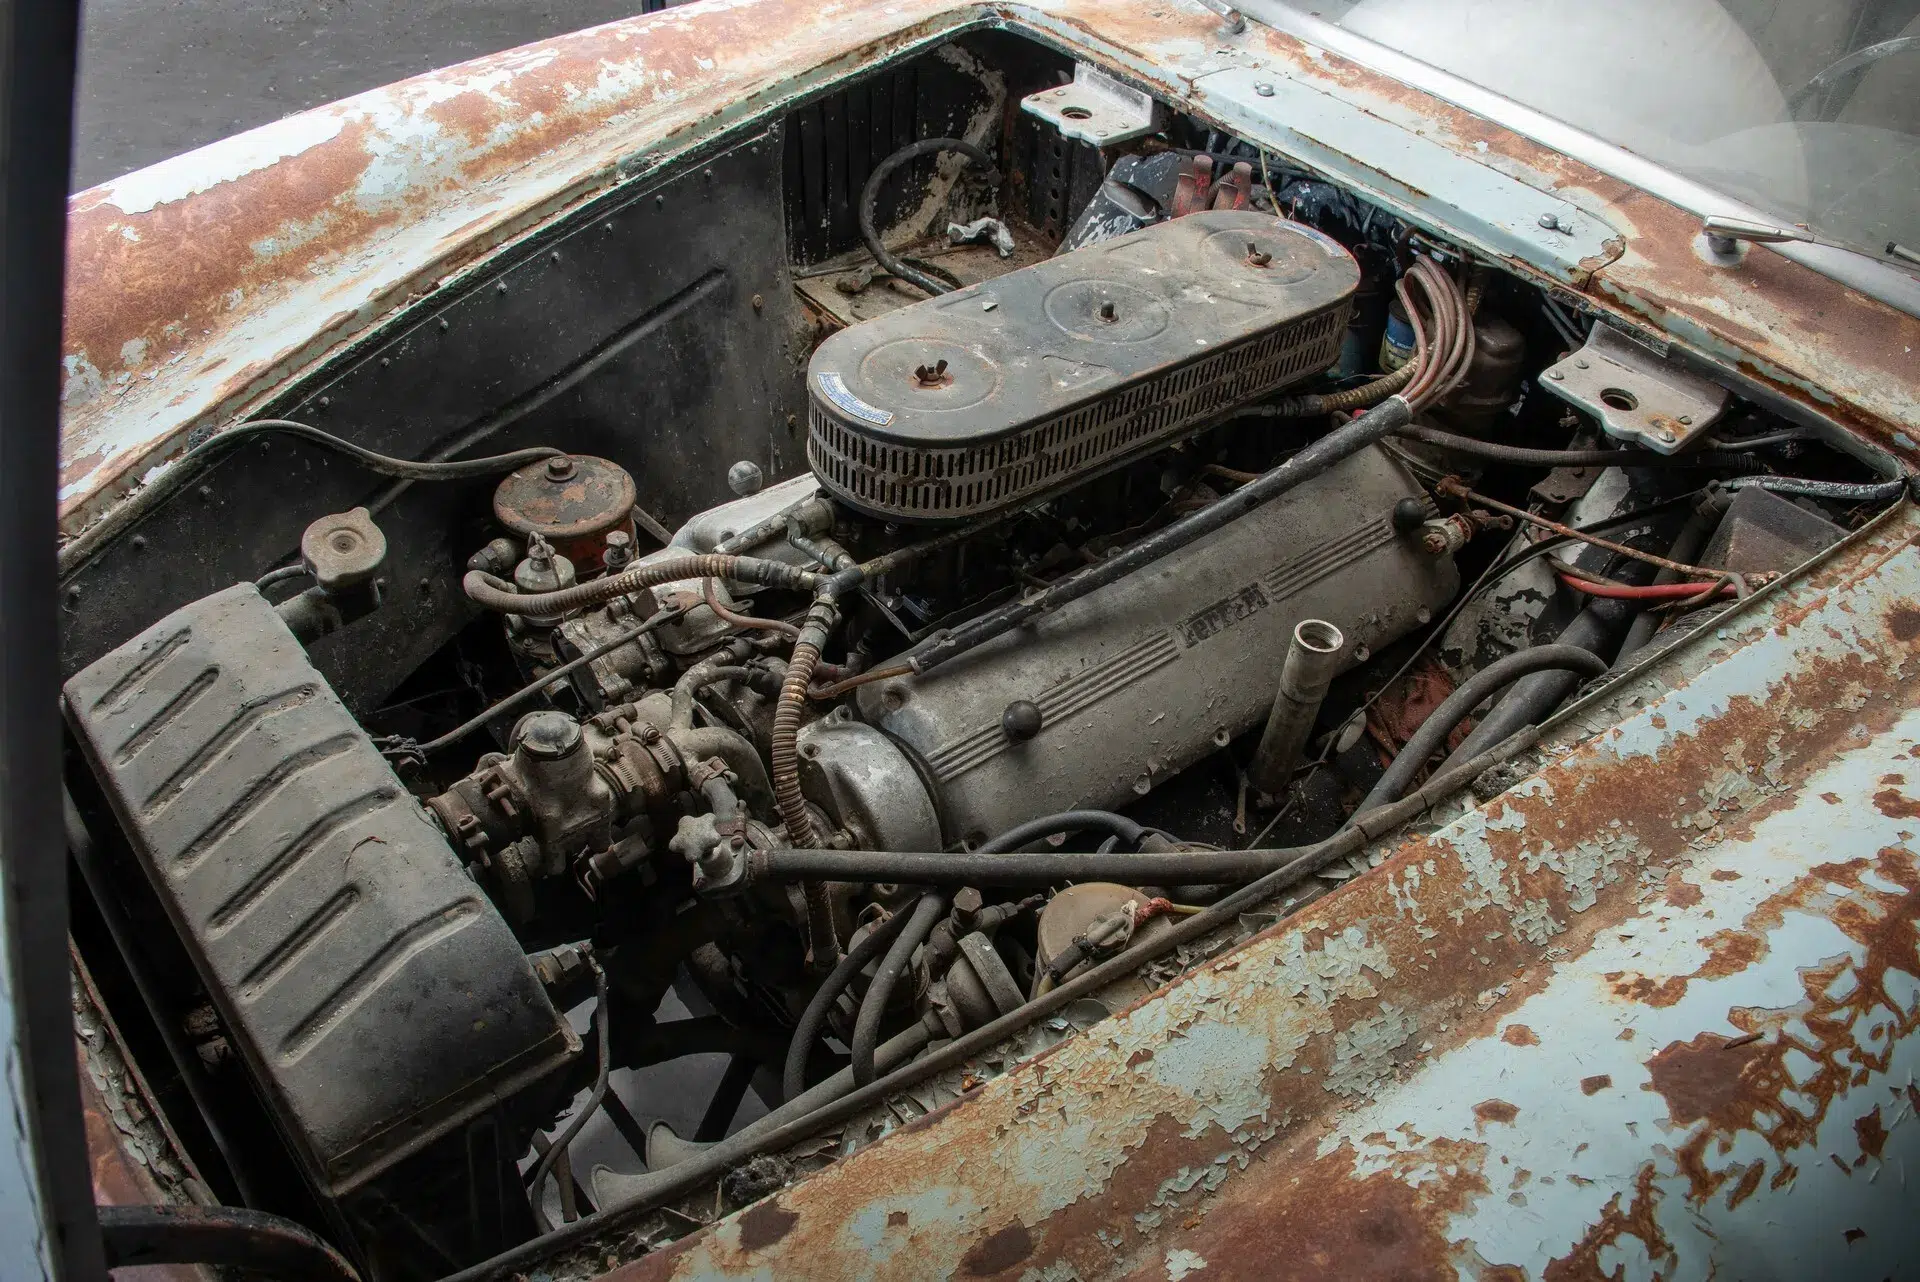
(199,285)
(1654,1009)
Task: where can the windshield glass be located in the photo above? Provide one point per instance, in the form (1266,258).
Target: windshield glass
(1809,109)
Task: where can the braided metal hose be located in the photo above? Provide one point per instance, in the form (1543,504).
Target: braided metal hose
(491,593)
(783,755)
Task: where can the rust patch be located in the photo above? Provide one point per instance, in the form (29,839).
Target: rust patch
(1638,1221)
(1706,1079)
(1722,1086)
(1895,804)
(997,1252)
(1749,1184)
(1831,798)
(896,1219)
(1681,893)
(1904,622)
(1490,1111)
(1724,874)
(1519,1035)
(1595,1084)
(765,1223)
(1386,1226)
(1871,1133)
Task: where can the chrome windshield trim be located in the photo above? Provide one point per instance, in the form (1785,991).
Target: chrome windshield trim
(1878,280)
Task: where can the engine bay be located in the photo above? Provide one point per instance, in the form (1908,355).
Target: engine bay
(1138,513)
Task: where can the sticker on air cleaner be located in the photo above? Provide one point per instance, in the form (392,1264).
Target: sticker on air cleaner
(835,389)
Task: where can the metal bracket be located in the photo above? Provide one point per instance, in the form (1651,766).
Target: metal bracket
(1636,395)
(1095,108)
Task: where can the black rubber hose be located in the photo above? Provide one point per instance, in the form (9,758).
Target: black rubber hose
(1499,674)
(870,201)
(1114,825)
(813,1020)
(384,464)
(1595,628)
(537,1182)
(873,1007)
(1378,423)
(230,1236)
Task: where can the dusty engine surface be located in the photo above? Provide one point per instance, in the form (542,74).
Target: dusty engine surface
(1108,568)
(1022,386)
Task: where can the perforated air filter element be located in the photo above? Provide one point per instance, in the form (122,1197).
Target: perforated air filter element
(1023,385)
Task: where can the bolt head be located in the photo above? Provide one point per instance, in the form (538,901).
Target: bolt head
(560,468)
(1264,90)
(1555,375)
(1550,221)
(1666,434)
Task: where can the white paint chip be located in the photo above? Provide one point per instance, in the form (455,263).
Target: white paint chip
(1181,1262)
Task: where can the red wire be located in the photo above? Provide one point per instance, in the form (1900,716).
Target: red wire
(1649,592)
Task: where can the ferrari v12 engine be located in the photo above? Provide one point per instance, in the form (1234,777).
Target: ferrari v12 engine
(755,685)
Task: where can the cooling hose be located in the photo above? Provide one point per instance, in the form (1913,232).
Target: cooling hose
(1595,628)
(873,1007)
(1471,693)
(870,200)
(813,1020)
(218,1235)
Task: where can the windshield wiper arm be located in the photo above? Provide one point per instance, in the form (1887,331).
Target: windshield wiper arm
(1232,21)
(1724,234)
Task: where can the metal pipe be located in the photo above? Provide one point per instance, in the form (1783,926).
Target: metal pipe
(220,1235)
(1313,660)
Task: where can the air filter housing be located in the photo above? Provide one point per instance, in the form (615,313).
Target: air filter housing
(1023,385)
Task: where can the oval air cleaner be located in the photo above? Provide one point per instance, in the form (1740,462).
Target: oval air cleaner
(1031,382)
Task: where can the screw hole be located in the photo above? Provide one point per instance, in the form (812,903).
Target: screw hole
(1619,398)
(1076,113)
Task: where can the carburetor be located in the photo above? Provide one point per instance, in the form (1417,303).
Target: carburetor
(593,798)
